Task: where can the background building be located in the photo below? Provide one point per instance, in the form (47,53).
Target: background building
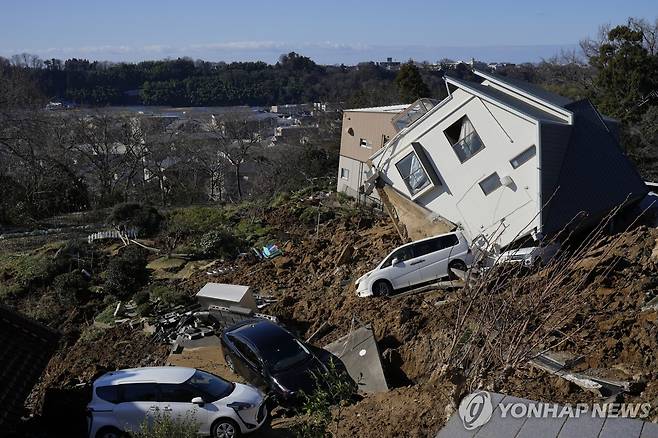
(365,131)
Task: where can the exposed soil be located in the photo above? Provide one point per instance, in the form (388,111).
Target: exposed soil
(313,282)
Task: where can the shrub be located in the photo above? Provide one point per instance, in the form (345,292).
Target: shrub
(145,218)
(220,243)
(251,231)
(334,388)
(195,220)
(71,288)
(126,273)
(280,199)
(163,426)
(107,315)
(141,297)
(167,295)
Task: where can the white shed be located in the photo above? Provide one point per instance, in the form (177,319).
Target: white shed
(226,295)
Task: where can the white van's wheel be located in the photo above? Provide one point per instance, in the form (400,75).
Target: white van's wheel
(382,288)
(225,428)
(456,264)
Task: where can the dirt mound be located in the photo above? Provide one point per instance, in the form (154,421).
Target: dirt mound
(114,348)
(315,286)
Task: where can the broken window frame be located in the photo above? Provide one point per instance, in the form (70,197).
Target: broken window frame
(488,188)
(463,145)
(523,157)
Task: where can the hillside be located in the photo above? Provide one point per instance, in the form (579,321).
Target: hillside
(596,295)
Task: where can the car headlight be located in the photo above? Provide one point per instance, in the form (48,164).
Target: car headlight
(239,406)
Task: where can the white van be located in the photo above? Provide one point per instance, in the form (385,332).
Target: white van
(423,261)
(125,400)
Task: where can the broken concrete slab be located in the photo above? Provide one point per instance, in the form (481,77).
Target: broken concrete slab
(359,353)
(603,387)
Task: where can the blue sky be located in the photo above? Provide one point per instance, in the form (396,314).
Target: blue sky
(328,31)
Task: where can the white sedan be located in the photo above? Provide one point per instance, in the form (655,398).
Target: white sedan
(417,263)
(128,400)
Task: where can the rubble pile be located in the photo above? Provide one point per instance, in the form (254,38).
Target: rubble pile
(114,348)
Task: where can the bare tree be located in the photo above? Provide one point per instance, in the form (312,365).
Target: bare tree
(103,144)
(239,141)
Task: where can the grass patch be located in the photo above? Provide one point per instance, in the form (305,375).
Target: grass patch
(19,271)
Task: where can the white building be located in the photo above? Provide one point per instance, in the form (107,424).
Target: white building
(504,159)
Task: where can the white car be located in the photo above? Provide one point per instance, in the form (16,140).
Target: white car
(530,256)
(126,400)
(415,263)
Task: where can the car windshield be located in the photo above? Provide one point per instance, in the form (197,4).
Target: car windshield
(284,353)
(214,387)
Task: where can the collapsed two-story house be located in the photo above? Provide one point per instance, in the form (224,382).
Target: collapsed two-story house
(503,160)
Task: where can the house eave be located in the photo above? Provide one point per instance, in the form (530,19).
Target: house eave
(537,99)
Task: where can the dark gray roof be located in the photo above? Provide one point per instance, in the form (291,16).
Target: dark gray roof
(585,168)
(509,100)
(26,350)
(529,88)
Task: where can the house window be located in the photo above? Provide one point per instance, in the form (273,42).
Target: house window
(385,139)
(490,183)
(364,143)
(344,173)
(523,157)
(463,138)
(412,173)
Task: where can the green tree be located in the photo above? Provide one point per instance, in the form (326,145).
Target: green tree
(410,83)
(626,73)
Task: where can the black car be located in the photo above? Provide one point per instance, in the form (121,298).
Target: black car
(268,356)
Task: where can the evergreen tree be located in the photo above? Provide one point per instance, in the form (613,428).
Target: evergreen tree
(410,83)
(626,73)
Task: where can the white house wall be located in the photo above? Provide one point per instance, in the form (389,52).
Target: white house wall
(460,198)
(357,176)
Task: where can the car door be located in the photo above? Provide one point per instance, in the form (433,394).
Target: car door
(251,366)
(399,274)
(448,251)
(423,265)
(139,404)
(176,401)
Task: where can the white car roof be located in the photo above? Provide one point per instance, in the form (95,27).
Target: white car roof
(147,374)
